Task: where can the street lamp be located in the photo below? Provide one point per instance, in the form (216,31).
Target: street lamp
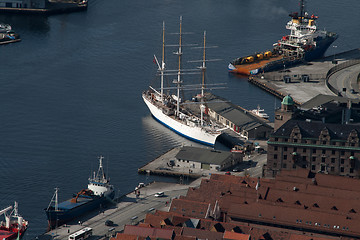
(334,46)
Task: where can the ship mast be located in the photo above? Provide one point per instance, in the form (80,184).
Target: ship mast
(302,10)
(54,199)
(178,80)
(162,68)
(100,176)
(203,69)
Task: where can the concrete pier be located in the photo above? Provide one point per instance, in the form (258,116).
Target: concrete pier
(318,73)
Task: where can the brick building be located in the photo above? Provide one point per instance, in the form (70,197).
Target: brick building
(297,204)
(319,147)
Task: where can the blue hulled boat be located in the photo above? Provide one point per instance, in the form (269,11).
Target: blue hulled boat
(99,192)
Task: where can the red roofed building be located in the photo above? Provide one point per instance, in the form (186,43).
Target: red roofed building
(236,236)
(296,202)
(149,232)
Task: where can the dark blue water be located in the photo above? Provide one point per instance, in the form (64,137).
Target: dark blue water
(71,90)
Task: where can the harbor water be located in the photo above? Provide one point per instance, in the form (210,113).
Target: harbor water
(70,91)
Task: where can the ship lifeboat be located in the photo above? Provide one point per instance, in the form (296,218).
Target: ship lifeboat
(259,56)
(249,59)
(268,54)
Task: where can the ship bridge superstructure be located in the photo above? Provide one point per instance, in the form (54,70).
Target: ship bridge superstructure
(99,184)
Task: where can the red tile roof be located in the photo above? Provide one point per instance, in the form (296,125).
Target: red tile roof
(236,236)
(189,208)
(149,232)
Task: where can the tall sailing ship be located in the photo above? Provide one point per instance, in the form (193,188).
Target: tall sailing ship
(169,109)
(304,43)
(99,192)
(14,226)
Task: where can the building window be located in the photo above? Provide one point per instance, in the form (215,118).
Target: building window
(227,122)
(275,164)
(313,159)
(324,142)
(332,160)
(351,170)
(295,149)
(352,153)
(284,165)
(285,157)
(333,152)
(275,148)
(323,159)
(313,167)
(304,150)
(313,141)
(322,168)
(342,153)
(314,150)
(342,169)
(342,161)
(295,140)
(285,149)
(276,139)
(275,156)
(323,151)
(332,169)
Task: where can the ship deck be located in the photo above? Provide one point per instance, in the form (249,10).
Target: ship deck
(6,235)
(247,67)
(66,205)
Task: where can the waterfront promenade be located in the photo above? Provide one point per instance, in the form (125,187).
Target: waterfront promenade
(129,210)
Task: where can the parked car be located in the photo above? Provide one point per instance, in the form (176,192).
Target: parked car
(109,223)
(140,186)
(159,194)
(236,169)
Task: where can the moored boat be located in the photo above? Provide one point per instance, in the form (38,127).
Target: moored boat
(168,109)
(260,112)
(14,226)
(304,43)
(7,35)
(97,194)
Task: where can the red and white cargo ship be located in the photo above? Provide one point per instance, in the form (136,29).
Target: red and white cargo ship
(14,226)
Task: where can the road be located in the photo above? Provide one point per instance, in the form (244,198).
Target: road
(346,78)
(254,167)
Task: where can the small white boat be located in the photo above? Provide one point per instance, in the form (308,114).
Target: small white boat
(260,112)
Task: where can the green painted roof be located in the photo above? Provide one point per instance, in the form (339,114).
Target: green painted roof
(287,100)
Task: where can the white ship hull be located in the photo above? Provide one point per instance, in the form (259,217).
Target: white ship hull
(194,133)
